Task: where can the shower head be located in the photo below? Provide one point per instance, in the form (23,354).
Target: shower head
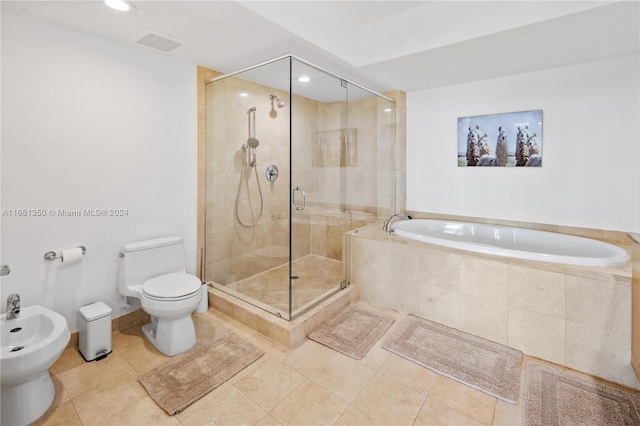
(280,102)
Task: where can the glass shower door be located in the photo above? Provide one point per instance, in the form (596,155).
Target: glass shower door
(320,155)
(370,184)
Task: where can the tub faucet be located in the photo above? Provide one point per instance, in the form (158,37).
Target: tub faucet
(13,306)
(387,225)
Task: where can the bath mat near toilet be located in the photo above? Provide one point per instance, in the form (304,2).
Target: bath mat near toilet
(555,397)
(479,363)
(353,331)
(187,377)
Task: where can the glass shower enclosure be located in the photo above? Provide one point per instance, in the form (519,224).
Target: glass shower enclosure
(296,157)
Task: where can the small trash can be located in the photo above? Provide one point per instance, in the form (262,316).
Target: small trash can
(95,331)
(204,302)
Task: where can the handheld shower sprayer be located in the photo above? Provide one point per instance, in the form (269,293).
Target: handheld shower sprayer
(250,162)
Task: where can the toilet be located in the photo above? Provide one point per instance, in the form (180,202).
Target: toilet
(154,271)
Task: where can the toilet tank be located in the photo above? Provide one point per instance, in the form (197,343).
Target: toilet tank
(148,259)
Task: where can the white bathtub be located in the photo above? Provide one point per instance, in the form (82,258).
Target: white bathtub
(513,242)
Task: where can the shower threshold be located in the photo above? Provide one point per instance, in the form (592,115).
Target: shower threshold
(288,333)
(261,301)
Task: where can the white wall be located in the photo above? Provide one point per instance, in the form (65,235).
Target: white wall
(90,124)
(591,171)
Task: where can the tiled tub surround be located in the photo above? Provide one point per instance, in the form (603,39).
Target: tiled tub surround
(579,317)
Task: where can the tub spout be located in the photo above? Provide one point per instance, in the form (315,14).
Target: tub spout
(387,225)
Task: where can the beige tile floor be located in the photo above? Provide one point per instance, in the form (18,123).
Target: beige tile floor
(311,384)
(316,275)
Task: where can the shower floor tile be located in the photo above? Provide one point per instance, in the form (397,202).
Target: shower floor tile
(316,275)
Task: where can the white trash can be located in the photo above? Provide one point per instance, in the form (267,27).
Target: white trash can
(95,331)
(204,302)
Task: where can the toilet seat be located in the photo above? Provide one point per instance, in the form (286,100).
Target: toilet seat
(171,287)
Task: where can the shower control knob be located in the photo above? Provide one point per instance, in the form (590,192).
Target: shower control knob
(271,173)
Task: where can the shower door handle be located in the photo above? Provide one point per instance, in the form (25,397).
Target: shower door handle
(293,198)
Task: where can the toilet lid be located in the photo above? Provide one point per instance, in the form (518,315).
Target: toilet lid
(171,286)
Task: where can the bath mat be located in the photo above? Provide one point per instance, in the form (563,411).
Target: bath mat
(353,331)
(487,366)
(187,377)
(555,397)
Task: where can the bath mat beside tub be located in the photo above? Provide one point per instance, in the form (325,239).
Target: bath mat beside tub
(353,331)
(484,365)
(187,377)
(555,397)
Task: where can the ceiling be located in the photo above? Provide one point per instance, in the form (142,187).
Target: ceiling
(383,45)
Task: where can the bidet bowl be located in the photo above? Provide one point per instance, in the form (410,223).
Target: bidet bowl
(29,346)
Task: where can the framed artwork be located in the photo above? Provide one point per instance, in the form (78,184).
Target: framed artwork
(511,139)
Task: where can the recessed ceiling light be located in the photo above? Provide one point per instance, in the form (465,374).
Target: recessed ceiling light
(244,94)
(121,5)
(304,79)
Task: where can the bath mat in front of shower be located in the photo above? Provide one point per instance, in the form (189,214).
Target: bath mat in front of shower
(555,397)
(479,363)
(353,331)
(187,377)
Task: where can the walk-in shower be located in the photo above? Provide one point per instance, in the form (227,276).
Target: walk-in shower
(295,158)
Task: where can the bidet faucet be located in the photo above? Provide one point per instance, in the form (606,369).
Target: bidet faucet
(13,306)
(387,225)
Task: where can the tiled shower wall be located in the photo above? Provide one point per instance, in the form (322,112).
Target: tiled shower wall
(579,317)
(365,185)
(233,252)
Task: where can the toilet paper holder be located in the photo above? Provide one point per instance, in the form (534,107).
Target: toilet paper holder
(52,255)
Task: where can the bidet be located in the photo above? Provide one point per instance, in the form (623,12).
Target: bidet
(30,344)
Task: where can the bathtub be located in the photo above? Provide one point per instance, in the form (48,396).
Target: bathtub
(571,315)
(513,242)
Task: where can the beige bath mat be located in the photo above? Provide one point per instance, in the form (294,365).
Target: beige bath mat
(555,397)
(187,377)
(487,366)
(353,331)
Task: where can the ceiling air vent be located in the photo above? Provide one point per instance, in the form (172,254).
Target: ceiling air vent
(159,42)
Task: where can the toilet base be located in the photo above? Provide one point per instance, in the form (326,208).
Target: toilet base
(171,336)
(26,402)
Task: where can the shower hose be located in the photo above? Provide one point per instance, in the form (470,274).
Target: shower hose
(246,165)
